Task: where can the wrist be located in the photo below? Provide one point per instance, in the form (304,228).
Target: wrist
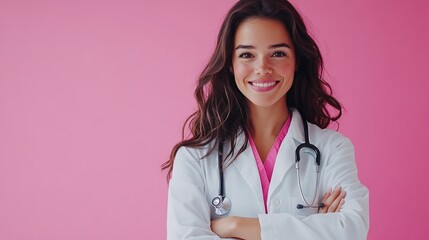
(246,228)
(234,225)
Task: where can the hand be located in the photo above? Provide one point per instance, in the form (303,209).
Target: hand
(333,200)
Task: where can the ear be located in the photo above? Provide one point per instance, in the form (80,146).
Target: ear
(231,69)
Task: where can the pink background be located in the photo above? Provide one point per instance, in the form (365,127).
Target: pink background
(93,95)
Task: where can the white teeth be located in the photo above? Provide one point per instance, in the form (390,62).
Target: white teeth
(263,84)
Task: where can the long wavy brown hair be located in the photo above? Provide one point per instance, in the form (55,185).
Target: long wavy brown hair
(222,110)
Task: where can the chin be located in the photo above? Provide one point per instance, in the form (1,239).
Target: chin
(274,102)
(262,103)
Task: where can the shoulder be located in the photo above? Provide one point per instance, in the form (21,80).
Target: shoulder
(335,148)
(318,136)
(195,152)
(192,163)
(192,155)
(328,138)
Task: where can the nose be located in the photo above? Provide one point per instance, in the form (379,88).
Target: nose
(263,66)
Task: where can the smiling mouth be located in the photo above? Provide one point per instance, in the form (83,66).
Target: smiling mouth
(264,84)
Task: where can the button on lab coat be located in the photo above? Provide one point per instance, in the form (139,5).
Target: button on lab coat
(195,181)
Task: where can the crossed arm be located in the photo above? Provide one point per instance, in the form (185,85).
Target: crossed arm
(249,228)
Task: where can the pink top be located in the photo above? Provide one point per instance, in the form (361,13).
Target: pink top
(266,168)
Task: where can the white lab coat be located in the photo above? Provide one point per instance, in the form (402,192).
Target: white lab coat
(195,181)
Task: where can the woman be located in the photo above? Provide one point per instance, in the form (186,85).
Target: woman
(260,88)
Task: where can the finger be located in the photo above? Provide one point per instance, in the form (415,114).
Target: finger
(324,198)
(334,194)
(326,195)
(343,200)
(341,205)
(336,203)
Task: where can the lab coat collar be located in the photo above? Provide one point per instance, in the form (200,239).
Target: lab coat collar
(296,129)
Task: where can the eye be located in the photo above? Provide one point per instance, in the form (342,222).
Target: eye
(245,55)
(279,54)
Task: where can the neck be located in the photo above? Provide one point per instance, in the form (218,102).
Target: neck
(267,121)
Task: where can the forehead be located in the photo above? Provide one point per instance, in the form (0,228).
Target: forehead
(261,32)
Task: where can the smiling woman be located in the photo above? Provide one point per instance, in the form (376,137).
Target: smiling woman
(264,66)
(261,101)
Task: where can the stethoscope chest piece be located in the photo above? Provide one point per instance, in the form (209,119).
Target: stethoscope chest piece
(221,207)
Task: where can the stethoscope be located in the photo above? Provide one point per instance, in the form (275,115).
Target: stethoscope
(222,204)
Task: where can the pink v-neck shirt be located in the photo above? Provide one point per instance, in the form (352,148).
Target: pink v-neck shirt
(266,168)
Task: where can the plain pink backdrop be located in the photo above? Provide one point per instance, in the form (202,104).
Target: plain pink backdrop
(93,95)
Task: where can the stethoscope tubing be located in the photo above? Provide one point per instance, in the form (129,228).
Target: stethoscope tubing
(221,203)
(307,144)
(220,166)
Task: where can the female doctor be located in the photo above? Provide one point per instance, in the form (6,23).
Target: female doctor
(260,97)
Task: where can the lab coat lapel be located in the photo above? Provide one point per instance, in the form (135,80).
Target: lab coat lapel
(246,166)
(286,155)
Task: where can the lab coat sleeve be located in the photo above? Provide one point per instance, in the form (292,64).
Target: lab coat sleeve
(351,223)
(188,213)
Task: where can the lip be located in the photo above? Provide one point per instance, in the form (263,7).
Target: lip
(265,85)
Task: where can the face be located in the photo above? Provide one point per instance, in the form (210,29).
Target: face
(263,61)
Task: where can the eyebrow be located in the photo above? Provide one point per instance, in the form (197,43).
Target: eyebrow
(278,45)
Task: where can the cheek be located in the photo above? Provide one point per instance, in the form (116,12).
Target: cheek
(241,71)
(287,70)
